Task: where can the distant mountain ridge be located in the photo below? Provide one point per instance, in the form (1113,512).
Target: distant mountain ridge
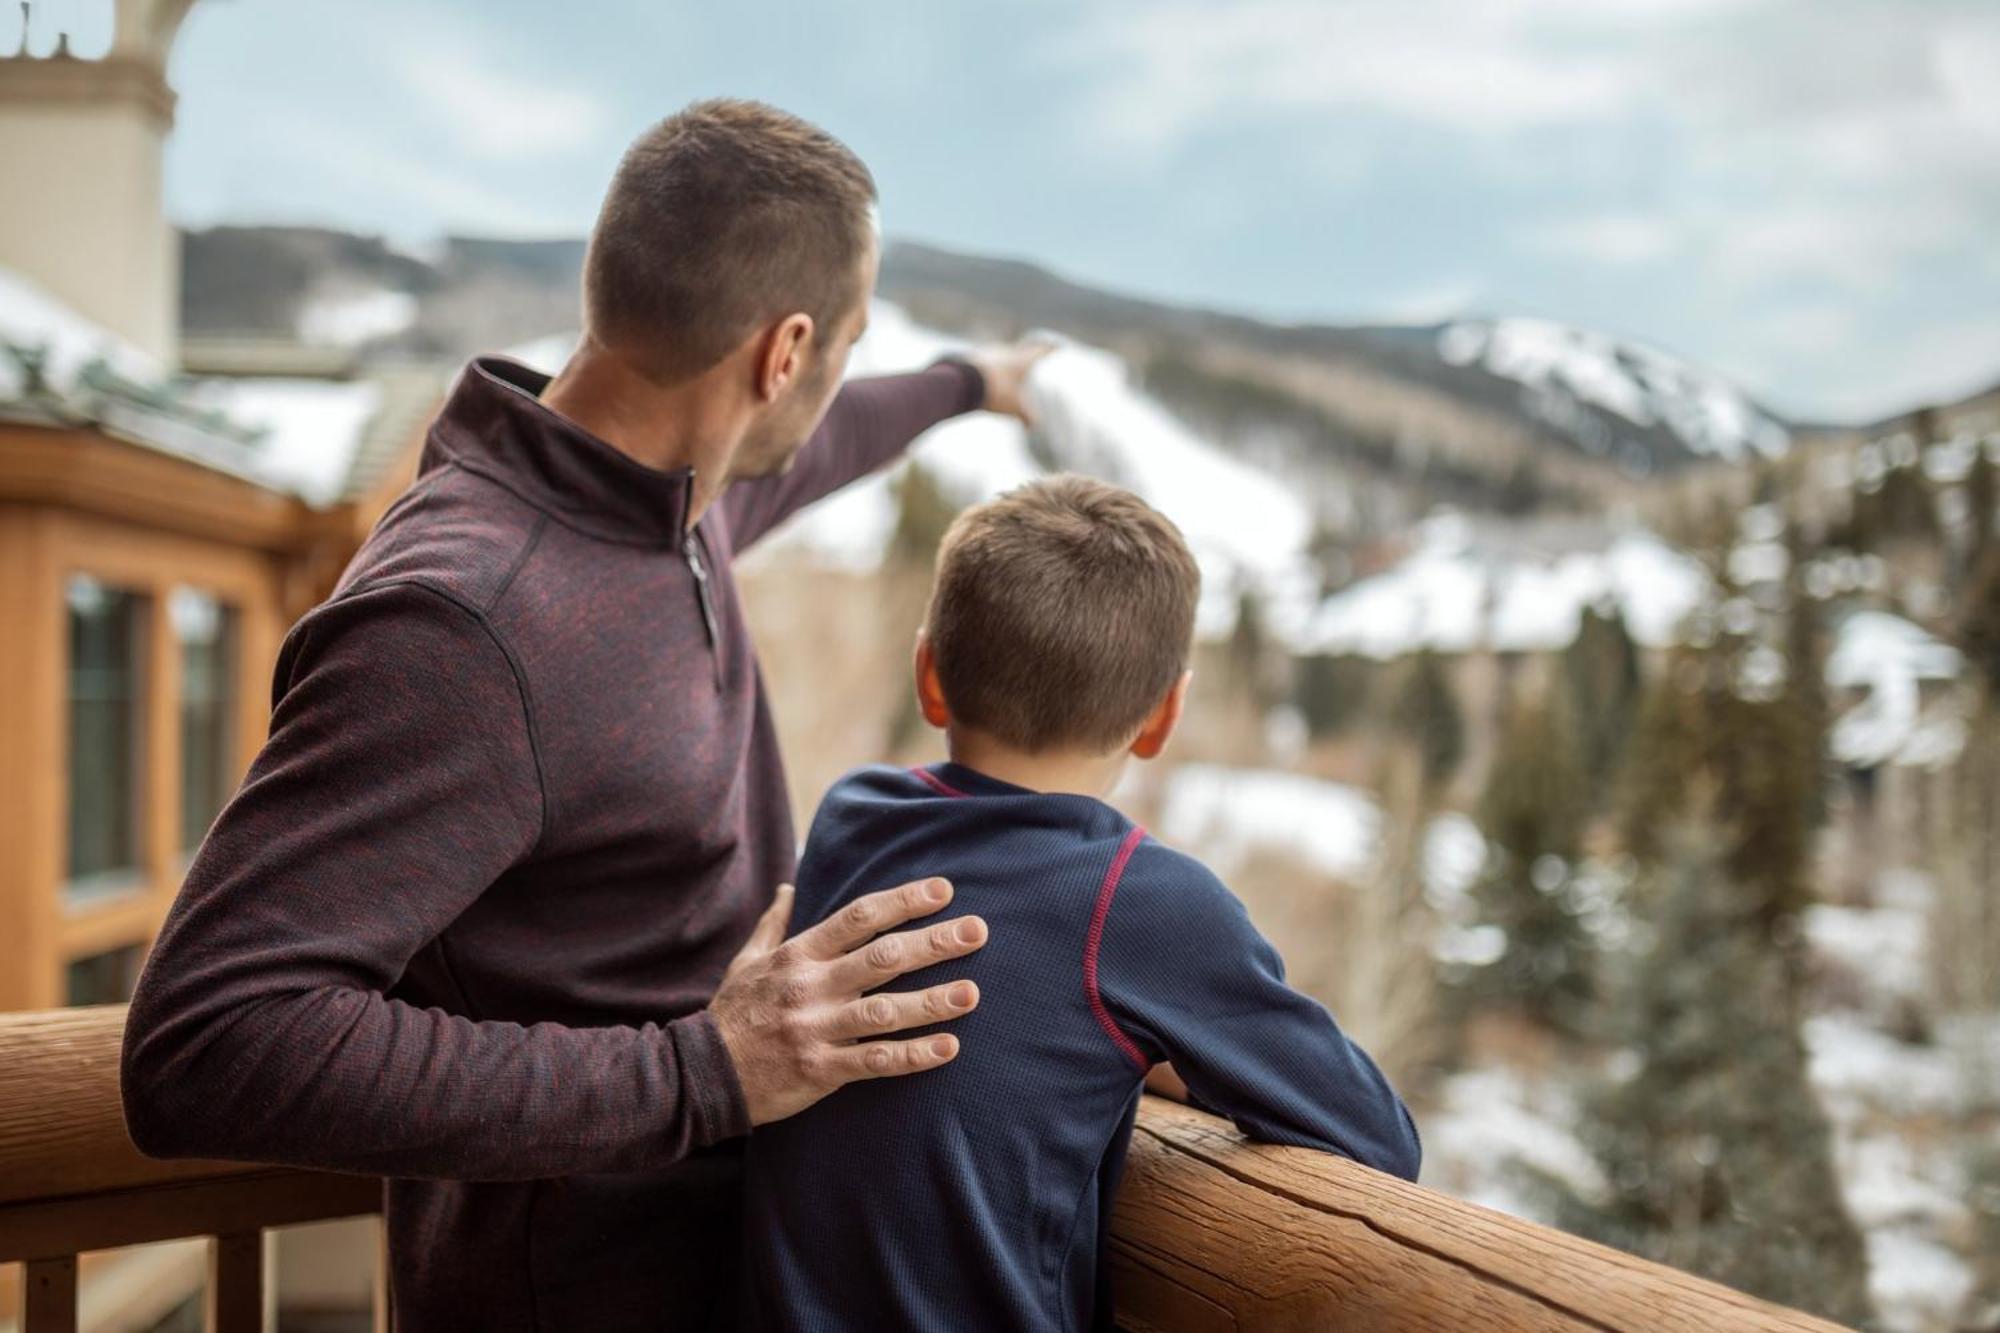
(1374,425)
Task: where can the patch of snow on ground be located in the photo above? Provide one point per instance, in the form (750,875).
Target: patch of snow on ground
(1860,1070)
(1489,1123)
(1917,1282)
(1889,658)
(1882,949)
(1227,814)
(1454,593)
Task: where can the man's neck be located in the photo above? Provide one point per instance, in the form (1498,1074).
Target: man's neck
(662,426)
(1056,771)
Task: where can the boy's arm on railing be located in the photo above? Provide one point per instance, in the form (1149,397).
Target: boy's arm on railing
(399,781)
(1188,979)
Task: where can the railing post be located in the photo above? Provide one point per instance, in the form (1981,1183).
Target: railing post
(385,1309)
(236,1283)
(48,1295)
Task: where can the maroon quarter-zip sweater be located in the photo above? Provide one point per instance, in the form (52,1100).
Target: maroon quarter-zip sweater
(520,804)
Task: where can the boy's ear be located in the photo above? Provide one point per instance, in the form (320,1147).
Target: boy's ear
(930,694)
(1159,728)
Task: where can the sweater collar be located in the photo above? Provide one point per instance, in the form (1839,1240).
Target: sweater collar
(495,424)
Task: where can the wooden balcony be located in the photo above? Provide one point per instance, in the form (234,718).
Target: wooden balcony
(1210,1233)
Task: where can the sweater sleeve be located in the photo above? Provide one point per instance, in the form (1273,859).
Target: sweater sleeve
(1185,977)
(399,781)
(871,422)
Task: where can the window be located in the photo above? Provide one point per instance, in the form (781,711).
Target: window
(205,628)
(107,652)
(104,978)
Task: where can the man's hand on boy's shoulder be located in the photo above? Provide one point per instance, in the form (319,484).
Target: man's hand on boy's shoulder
(1005,369)
(796,1015)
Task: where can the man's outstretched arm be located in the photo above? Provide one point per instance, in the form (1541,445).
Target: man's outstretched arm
(871,422)
(399,781)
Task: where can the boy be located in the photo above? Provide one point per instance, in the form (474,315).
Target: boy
(973,1197)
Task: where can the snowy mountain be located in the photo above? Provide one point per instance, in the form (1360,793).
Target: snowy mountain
(1564,369)
(1371,426)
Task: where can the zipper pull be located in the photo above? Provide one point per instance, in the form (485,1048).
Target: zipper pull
(692,549)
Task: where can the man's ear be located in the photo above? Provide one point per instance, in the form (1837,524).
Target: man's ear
(1159,728)
(783,355)
(930,694)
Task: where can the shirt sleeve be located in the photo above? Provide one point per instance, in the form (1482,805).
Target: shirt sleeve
(1185,977)
(399,781)
(871,421)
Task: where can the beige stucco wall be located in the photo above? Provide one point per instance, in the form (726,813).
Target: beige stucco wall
(83,217)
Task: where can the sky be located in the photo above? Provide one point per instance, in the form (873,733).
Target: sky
(1801,194)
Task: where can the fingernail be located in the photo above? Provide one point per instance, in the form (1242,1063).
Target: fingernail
(944,1047)
(960,995)
(938,890)
(971,930)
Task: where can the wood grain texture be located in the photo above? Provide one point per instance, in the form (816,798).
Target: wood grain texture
(1211,1233)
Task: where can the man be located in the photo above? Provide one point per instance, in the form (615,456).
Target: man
(492,914)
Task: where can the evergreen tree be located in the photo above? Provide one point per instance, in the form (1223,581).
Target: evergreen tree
(1532,815)
(923,513)
(1716,1155)
(1601,676)
(1981,1311)
(1982,493)
(1425,711)
(1333,693)
(1763,756)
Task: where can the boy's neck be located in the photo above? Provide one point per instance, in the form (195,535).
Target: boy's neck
(1055,771)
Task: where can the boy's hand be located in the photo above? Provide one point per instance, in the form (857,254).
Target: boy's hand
(1005,369)
(795,1016)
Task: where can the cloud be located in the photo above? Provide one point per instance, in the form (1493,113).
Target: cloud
(496,115)
(1745,155)
(1488,68)
(1608,238)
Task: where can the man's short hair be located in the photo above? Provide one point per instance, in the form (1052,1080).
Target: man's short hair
(1063,613)
(721,218)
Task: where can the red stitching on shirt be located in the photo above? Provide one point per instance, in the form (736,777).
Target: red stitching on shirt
(1096,938)
(937,783)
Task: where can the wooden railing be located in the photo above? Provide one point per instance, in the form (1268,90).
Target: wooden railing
(1209,1234)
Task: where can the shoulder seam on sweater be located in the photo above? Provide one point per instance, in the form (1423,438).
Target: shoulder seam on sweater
(1092,942)
(527,549)
(513,663)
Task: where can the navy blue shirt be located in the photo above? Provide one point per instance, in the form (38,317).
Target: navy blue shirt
(972,1197)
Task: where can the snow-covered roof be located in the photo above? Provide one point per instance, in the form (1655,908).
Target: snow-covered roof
(1890,658)
(309,431)
(1637,383)
(31,318)
(298,436)
(1458,592)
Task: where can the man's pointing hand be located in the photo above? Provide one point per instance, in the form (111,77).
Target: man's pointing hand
(795,1014)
